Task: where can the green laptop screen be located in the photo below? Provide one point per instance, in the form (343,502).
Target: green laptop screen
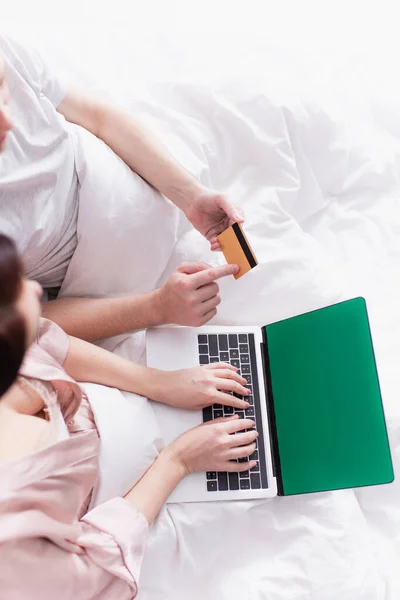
(329,418)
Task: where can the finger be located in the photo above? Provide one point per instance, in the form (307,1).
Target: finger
(210,304)
(205,318)
(222,420)
(229,373)
(222,365)
(192,267)
(213,273)
(229,385)
(214,244)
(243,439)
(229,400)
(207,291)
(238,215)
(243,451)
(237,467)
(234,426)
(235,213)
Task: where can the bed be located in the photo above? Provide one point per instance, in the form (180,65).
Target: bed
(305,136)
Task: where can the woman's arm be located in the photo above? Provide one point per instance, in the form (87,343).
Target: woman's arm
(87,362)
(102,558)
(188,388)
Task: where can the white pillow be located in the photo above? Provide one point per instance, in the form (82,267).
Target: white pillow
(126,229)
(130,439)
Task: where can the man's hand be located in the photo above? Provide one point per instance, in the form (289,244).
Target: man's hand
(211,213)
(190,296)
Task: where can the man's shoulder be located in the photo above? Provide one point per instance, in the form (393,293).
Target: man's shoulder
(20,57)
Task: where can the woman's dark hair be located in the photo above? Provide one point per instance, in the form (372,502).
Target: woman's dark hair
(12,325)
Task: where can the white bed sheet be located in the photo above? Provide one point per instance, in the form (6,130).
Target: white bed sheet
(307,140)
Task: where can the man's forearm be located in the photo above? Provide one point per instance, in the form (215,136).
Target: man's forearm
(94,319)
(147,156)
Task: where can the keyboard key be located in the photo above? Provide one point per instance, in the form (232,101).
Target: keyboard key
(211,475)
(214,359)
(224,356)
(228,410)
(255,469)
(244,484)
(245,369)
(254,456)
(243,349)
(233,340)
(234,353)
(255,481)
(218,413)
(250,400)
(242,338)
(222,481)
(240,396)
(204,359)
(247,378)
(244,474)
(211,486)
(223,342)
(233,481)
(244,358)
(240,413)
(202,339)
(249,412)
(248,386)
(207,414)
(203,349)
(213,344)
(235,363)
(243,459)
(217,405)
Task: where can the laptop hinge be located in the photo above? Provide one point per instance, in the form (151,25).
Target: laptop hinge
(276,463)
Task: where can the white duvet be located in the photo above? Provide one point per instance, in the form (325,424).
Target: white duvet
(315,164)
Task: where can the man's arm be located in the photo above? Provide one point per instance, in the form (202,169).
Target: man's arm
(94,319)
(209,212)
(189,297)
(134,143)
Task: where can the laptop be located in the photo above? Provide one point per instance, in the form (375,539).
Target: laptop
(315,399)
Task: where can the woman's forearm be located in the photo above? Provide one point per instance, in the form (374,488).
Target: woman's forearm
(86,362)
(153,489)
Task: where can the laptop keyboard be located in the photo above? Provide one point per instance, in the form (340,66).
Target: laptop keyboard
(238,349)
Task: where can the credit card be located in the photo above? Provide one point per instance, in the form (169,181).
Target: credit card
(237,250)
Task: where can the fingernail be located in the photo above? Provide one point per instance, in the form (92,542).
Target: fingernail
(235,268)
(248,392)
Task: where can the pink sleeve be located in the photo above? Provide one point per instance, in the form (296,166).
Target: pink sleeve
(112,542)
(53,340)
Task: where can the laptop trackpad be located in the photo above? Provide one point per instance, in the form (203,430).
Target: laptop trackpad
(174,421)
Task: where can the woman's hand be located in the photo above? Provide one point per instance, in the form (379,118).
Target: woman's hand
(202,386)
(213,447)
